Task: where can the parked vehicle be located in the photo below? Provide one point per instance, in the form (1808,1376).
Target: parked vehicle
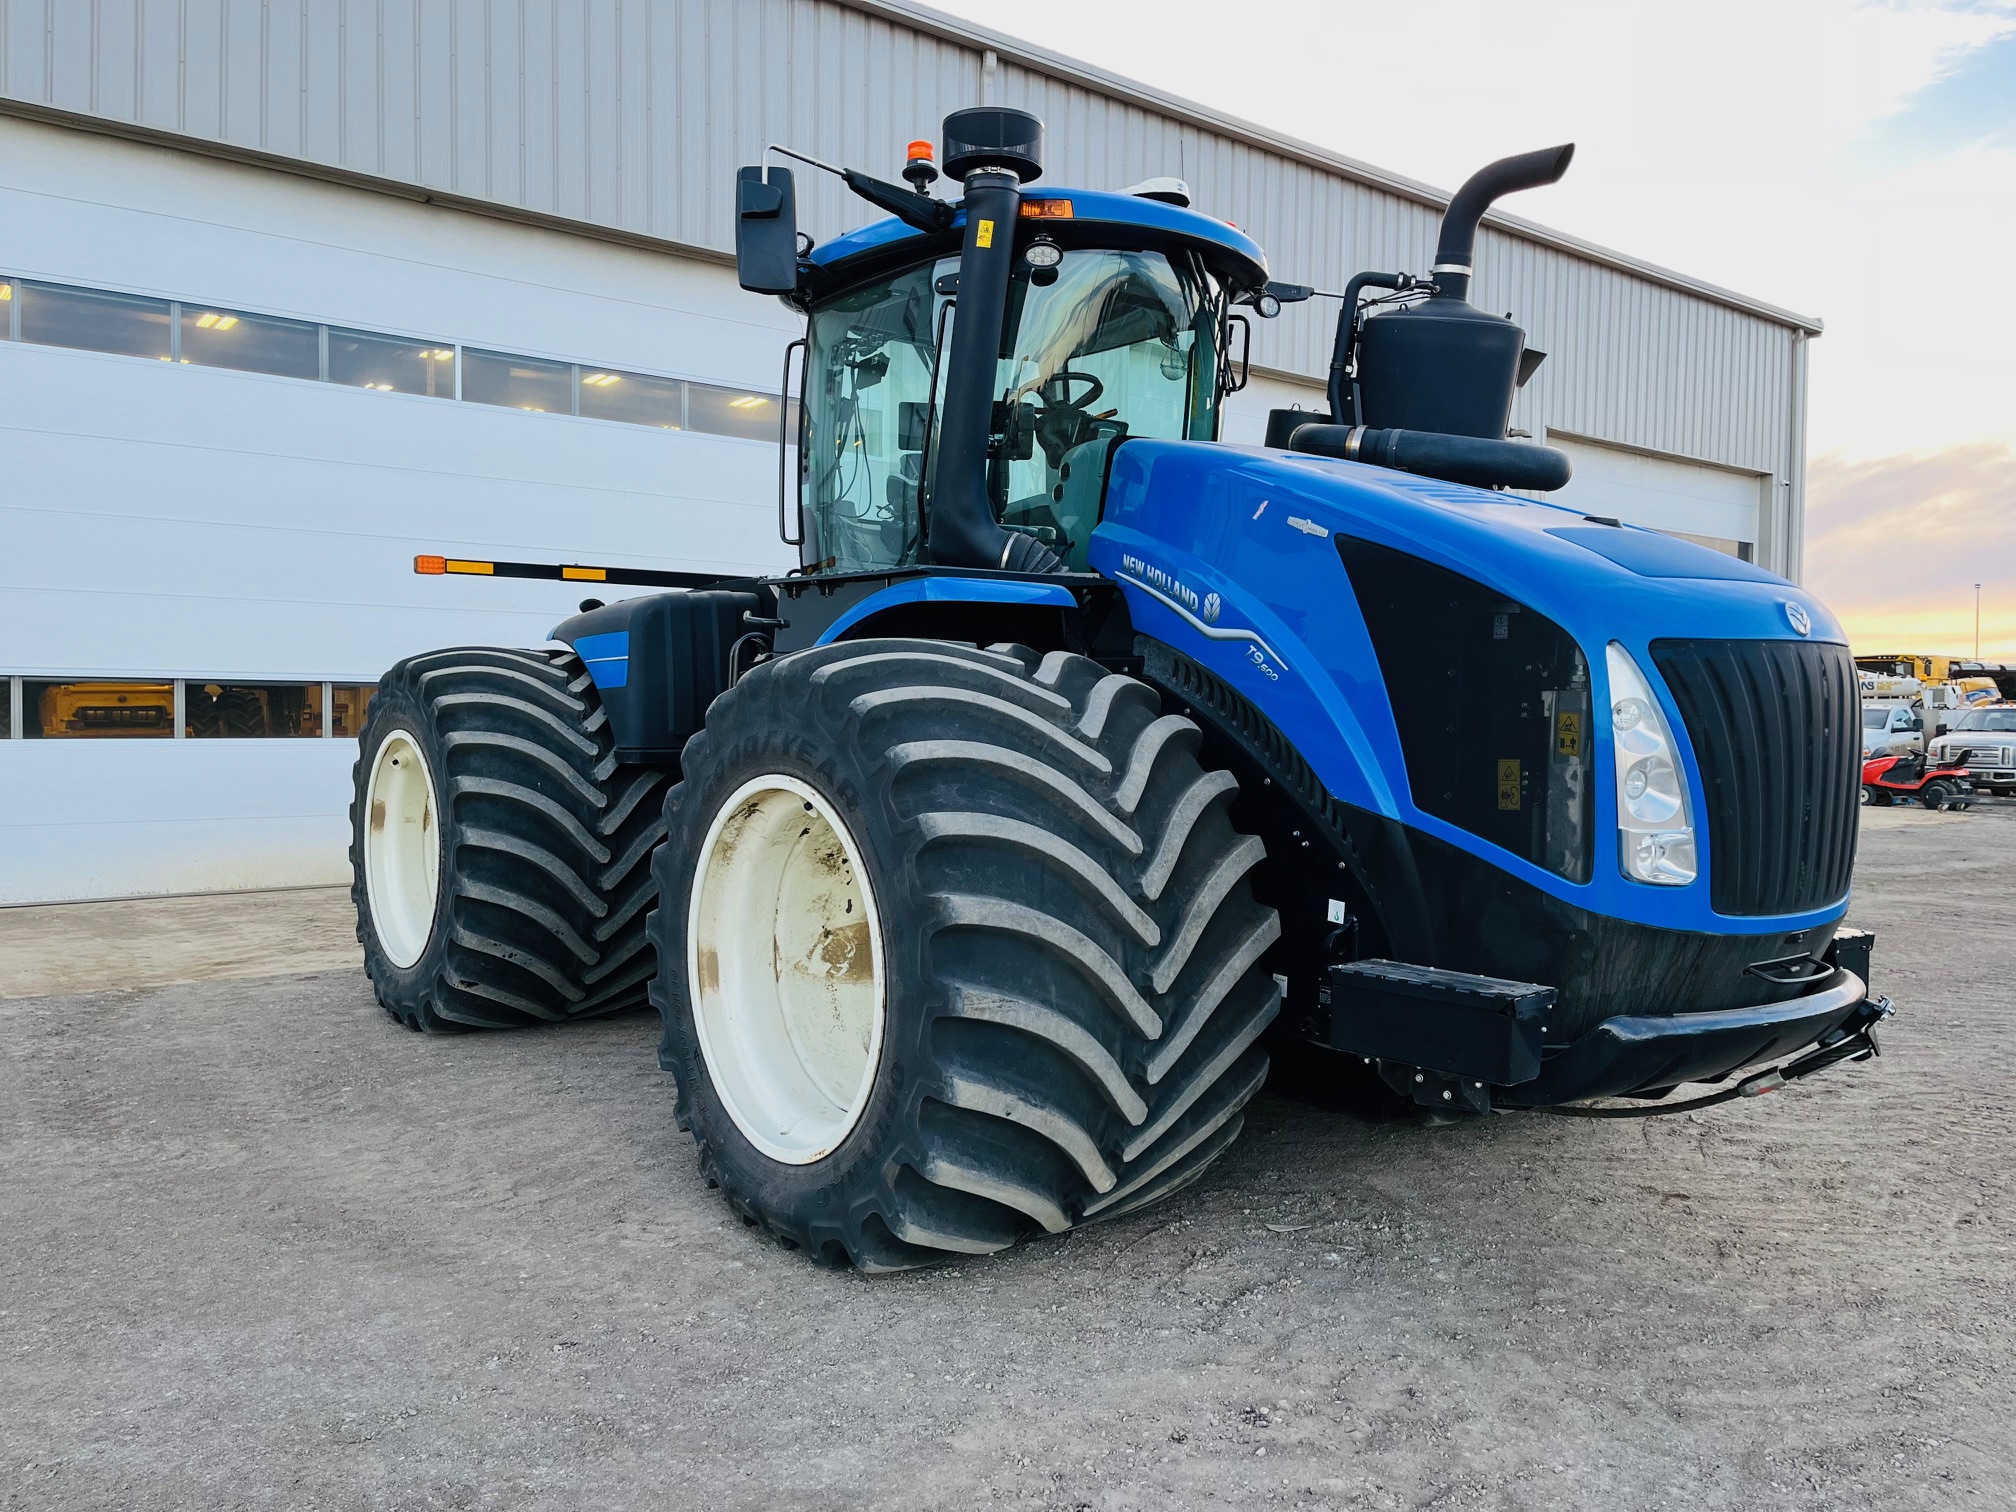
(1985,736)
(1938,669)
(1891,729)
(1915,779)
(978,866)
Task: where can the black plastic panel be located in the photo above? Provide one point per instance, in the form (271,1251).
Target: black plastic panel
(1449,1021)
(679,651)
(1492,704)
(1776,729)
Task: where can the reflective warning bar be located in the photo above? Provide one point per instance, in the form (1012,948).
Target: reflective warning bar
(647,577)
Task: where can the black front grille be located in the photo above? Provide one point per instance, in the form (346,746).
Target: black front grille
(1776,728)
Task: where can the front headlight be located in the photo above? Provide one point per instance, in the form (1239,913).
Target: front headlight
(1655,822)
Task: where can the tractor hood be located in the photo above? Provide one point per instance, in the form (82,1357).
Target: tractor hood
(1238,557)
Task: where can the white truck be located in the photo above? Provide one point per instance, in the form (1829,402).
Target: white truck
(1891,729)
(1988,733)
(1902,714)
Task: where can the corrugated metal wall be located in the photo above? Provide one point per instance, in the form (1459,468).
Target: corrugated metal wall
(634,114)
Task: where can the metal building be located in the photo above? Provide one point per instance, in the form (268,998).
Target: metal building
(292,292)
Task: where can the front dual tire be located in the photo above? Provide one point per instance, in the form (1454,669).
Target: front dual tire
(958,946)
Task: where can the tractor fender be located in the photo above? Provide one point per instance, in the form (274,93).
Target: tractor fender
(950,591)
(658,662)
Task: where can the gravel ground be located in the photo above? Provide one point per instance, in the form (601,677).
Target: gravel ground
(260,1247)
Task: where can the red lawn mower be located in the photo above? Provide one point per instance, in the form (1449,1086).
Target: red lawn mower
(1939,784)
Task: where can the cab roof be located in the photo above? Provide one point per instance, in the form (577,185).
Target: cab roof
(1232,254)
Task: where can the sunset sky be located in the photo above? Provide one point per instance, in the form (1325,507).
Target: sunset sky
(1855,161)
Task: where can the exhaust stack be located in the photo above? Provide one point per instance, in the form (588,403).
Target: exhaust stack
(995,151)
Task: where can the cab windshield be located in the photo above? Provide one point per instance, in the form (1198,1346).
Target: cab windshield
(2001,721)
(1103,346)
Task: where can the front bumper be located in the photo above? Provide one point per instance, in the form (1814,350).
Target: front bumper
(1630,1054)
(1463,1043)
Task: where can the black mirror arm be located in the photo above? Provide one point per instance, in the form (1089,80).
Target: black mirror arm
(908,206)
(913,209)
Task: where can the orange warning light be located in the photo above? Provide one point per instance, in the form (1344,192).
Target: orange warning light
(430,566)
(920,152)
(1046,209)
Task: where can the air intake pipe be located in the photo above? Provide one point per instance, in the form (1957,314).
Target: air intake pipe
(1443,365)
(994,151)
(1456,247)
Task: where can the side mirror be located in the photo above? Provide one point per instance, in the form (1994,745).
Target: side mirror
(766,231)
(1236,376)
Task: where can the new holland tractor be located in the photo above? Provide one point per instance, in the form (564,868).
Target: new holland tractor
(979,865)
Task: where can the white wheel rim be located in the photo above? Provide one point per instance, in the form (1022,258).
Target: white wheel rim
(402,849)
(784,969)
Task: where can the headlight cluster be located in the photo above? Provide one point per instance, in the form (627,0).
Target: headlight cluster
(1655,822)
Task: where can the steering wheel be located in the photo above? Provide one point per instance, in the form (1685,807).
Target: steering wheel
(1062,380)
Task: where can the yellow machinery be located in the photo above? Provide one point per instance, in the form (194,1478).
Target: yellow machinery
(108,708)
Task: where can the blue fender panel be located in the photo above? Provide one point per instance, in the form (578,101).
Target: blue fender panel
(947,590)
(606,656)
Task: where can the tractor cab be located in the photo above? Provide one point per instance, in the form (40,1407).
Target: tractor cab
(1100,343)
(1038,330)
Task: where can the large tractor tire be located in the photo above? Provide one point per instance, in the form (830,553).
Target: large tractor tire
(500,856)
(957,946)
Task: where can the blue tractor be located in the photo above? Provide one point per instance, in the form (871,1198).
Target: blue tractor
(979,865)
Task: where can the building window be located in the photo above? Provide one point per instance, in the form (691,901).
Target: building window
(72,710)
(633,398)
(58,315)
(251,711)
(212,336)
(392,364)
(731,412)
(251,343)
(527,383)
(349,703)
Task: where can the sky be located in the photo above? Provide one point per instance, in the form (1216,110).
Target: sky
(1849,159)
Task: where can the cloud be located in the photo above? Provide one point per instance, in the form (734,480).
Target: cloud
(1971,102)
(1896,544)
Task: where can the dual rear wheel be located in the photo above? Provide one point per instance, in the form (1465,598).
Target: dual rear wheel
(953,945)
(500,855)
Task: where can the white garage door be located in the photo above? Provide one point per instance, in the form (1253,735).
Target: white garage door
(1713,505)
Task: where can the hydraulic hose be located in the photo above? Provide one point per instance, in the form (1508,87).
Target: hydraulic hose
(1458,459)
(1342,411)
